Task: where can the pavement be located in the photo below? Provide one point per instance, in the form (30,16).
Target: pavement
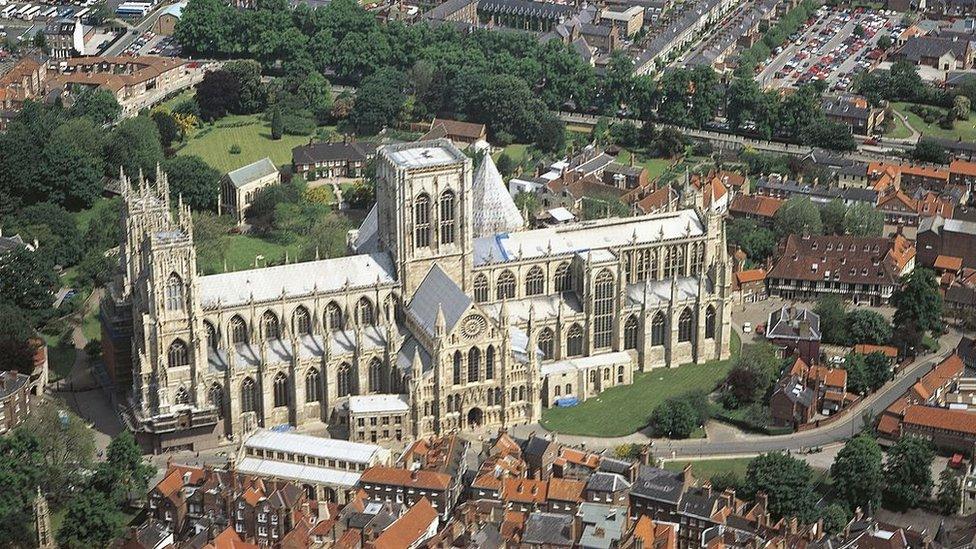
(142,26)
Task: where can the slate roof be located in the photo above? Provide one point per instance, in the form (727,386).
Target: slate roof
(252,172)
(331,152)
(919,47)
(529,8)
(549,529)
(658,484)
(438,292)
(793,323)
(607,482)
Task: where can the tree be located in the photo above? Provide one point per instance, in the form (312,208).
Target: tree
(908,473)
(929,150)
(218,94)
(378,102)
(134,145)
(725,480)
(277,125)
(961,106)
(16,331)
(832,216)
(204,28)
(757,242)
(624,133)
(857,376)
(918,302)
(194,180)
(124,473)
(28,283)
(884,42)
(92,519)
(20,474)
(829,135)
(798,215)
(551,134)
(167,127)
(674,418)
(66,450)
(669,142)
(252,95)
(98,104)
(949,497)
(833,316)
(786,482)
(857,472)
(863,219)
(866,326)
(835,518)
(55,231)
(505,164)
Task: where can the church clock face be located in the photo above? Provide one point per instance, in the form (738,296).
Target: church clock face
(473,325)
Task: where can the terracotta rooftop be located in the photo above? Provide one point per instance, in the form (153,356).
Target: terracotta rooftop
(524,490)
(948,263)
(751,275)
(455,128)
(867,348)
(960,421)
(962,167)
(563,489)
(408,529)
(401,477)
(755,205)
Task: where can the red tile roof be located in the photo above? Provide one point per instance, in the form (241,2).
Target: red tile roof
(848,259)
(960,421)
(867,348)
(408,529)
(962,167)
(381,474)
(755,205)
(948,263)
(751,275)
(564,489)
(524,490)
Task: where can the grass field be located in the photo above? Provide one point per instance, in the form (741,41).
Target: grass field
(898,130)
(626,409)
(964,129)
(250,133)
(240,252)
(706,468)
(518,152)
(655,166)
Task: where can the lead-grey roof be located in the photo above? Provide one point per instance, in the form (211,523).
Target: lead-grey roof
(606,482)
(603,525)
(438,292)
(252,172)
(549,529)
(658,484)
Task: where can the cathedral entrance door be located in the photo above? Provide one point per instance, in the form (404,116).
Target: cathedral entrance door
(475,417)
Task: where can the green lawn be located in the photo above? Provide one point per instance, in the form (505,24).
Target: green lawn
(213,143)
(518,152)
(624,410)
(240,252)
(84,218)
(172,102)
(706,468)
(965,129)
(898,129)
(655,166)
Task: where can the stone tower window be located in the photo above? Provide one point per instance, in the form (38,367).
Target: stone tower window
(238,330)
(561,279)
(178,354)
(457,367)
(182,397)
(303,321)
(490,362)
(280,390)
(375,375)
(448,217)
(174,293)
(421,222)
(334,313)
(269,323)
(343,379)
(365,311)
(710,322)
(474,364)
(215,396)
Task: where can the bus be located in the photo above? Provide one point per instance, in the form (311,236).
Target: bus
(133,9)
(50,12)
(8,11)
(20,12)
(30,14)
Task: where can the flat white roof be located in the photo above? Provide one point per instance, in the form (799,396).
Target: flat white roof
(318,447)
(584,363)
(298,472)
(325,275)
(587,235)
(960,226)
(370,404)
(423,154)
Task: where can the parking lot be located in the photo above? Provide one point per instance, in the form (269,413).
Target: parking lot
(834,48)
(150,43)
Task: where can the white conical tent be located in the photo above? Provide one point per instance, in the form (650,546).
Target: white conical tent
(494,210)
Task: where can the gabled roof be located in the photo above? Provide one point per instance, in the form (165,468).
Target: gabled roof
(252,172)
(658,484)
(436,293)
(793,323)
(751,204)
(456,128)
(408,529)
(549,529)
(960,421)
(401,477)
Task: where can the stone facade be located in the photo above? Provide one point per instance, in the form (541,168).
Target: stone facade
(459,322)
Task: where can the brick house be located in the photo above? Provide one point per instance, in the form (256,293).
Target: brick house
(14,399)
(332,160)
(795,331)
(384,483)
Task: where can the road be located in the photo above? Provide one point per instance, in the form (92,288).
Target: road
(753,444)
(865,153)
(122,43)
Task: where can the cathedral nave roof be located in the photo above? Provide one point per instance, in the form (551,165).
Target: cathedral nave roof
(310,346)
(436,293)
(587,235)
(294,279)
(659,291)
(544,307)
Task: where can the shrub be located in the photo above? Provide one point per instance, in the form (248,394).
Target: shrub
(234,149)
